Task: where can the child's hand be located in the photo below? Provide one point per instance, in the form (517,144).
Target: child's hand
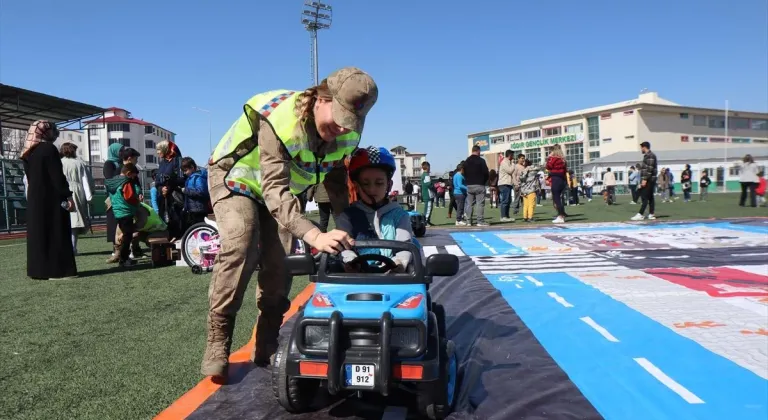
(400,268)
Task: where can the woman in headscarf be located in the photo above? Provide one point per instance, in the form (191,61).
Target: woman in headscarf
(49,201)
(81,184)
(112,169)
(169,180)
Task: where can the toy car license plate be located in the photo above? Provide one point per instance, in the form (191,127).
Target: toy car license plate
(360,375)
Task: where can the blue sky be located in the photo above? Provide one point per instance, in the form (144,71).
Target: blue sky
(444,69)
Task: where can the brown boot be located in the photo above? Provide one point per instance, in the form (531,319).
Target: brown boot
(216,358)
(115,258)
(266,343)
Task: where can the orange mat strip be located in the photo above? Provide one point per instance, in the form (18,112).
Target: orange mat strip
(195,397)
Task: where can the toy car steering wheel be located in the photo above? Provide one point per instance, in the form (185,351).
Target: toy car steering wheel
(364,258)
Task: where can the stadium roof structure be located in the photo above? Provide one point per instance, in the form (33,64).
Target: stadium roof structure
(19,108)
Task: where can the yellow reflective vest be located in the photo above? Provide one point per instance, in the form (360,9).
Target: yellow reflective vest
(277,107)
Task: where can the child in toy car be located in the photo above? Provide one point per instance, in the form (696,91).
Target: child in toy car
(374,216)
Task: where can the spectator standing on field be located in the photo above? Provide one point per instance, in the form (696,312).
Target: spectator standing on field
(648,171)
(633,181)
(557,168)
(476,176)
(427,192)
(686,179)
(704,186)
(519,169)
(749,181)
(609,182)
(506,171)
(460,194)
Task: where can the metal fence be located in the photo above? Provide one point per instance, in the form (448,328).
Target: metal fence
(13,202)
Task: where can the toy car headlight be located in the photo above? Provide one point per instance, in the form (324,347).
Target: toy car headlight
(405,337)
(316,336)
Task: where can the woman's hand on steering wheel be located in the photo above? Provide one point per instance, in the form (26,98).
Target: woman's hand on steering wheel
(333,242)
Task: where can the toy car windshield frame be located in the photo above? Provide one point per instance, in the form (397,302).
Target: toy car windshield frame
(414,275)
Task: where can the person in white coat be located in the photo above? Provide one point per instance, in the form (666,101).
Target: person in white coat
(81,184)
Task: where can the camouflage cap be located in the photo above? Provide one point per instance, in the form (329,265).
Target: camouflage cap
(354,93)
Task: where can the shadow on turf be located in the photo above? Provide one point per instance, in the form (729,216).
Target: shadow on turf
(114,269)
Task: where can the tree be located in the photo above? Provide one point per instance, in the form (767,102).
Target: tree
(12,143)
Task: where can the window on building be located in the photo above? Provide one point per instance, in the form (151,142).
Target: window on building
(149,144)
(533,134)
(574,128)
(124,142)
(684,115)
(594,155)
(619,176)
(151,158)
(514,137)
(700,120)
(96,159)
(708,171)
(552,131)
(759,124)
(606,116)
(738,123)
(593,131)
(734,171)
(699,139)
(608,140)
(740,140)
(95,145)
(630,112)
(716,122)
(497,140)
(574,157)
(148,129)
(118,127)
(717,139)
(534,155)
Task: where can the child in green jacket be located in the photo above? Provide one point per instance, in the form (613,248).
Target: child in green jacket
(124,193)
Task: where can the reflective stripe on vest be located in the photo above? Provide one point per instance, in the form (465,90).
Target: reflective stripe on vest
(277,107)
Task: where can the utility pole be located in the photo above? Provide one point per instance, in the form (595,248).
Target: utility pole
(315,16)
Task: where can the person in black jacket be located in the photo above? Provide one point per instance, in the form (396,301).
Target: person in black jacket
(476,177)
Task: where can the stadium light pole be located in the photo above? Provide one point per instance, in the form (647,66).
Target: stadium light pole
(210,145)
(725,155)
(315,16)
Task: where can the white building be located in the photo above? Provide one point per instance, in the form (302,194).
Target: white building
(723,166)
(408,162)
(599,132)
(76,137)
(118,126)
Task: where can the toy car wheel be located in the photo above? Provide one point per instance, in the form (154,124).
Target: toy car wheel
(196,269)
(435,399)
(294,394)
(196,234)
(420,231)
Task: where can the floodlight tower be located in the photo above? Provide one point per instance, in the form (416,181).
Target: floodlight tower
(315,16)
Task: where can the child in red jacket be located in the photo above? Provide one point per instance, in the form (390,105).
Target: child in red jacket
(760,191)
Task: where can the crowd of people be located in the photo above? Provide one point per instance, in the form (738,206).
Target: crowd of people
(59,187)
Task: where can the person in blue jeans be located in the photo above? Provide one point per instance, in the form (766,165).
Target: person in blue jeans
(634,182)
(506,174)
(460,194)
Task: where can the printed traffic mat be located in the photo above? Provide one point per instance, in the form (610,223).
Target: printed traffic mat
(615,320)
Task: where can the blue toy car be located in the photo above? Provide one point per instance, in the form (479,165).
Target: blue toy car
(369,331)
(418,223)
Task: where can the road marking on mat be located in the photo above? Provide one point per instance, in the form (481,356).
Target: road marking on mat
(429,250)
(493,251)
(754,254)
(559,299)
(395,413)
(455,250)
(608,336)
(6,246)
(534,281)
(662,377)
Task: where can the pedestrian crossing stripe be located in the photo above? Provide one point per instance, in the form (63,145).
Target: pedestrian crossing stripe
(576,262)
(447,249)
